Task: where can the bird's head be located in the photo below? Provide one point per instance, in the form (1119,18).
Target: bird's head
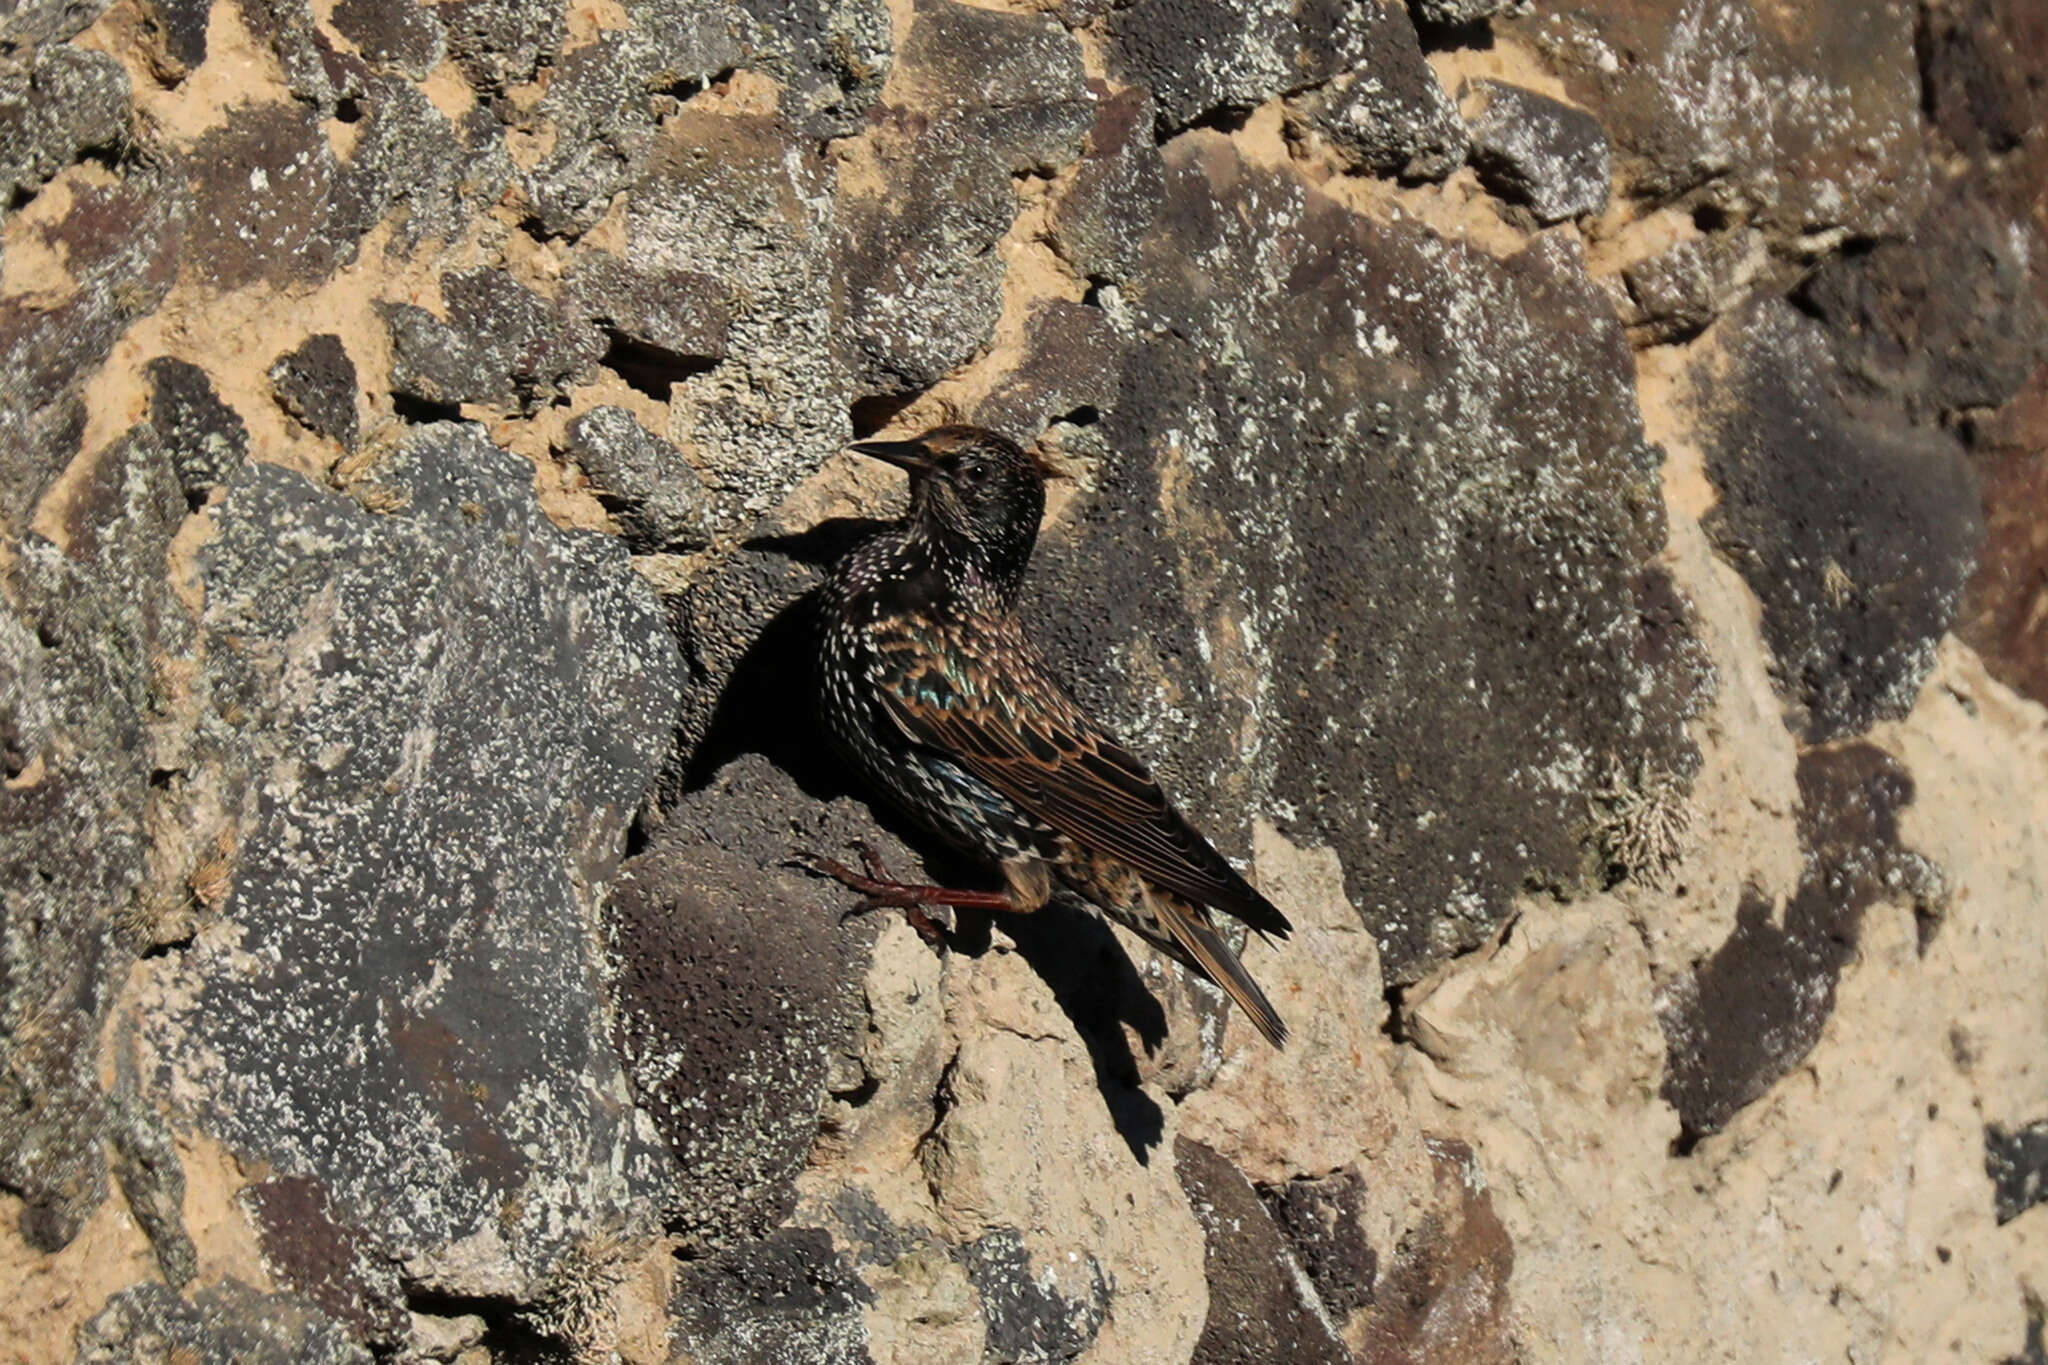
(972,491)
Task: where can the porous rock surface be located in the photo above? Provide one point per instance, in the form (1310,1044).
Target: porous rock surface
(1554,490)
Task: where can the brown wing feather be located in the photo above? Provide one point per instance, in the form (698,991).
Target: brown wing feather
(1010,723)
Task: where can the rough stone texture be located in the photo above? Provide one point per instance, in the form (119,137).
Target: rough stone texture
(2017,1163)
(229,1324)
(1534,150)
(55,106)
(1257,1308)
(644,480)
(1764,112)
(205,438)
(501,343)
(1751,1012)
(82,638)
(734,989)
(1390,115)
(317,384)
(1461,424)
(1857,533)
(429,861)
(1202,58)
(1385,537)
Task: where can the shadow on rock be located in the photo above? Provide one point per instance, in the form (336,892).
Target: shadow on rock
(767,706)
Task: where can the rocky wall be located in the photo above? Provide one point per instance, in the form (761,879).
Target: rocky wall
(1554,488)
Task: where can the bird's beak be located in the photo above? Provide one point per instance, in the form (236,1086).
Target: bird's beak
(905,455)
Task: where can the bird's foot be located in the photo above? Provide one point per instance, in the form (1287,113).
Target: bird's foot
(881,891)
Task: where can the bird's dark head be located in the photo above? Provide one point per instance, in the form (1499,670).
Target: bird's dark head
(973,492)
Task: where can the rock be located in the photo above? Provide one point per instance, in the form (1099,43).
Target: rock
(1534,150)
(735,989)
(723,195)
(1946,319)
(410,157)
(1460,13)
(1029,1319)
(264,200)
(317,384)
(178,43)
(1202,58)
(227,1324)
(1856,532)
(405,38)
(663,326)
(1389,115)
(48,21)
(1444,1294)
(144,1158)
(205,438)
(1231,413)
(56,105)
(644,480)
(1753,1010)
(1322,1219)
(831,57)
(1257,1308)
(438,1061)
(121,246)
(1804,128)
(2017,1162)
(342,1270)
(79,687)
(602,104)
(501,344)
(1677,293)
(789,1299)
(1099,224)
(498,43)
(2005,611)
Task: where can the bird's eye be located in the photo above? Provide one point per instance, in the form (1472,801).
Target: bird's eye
(973,475)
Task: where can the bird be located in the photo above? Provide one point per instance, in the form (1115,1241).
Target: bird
(932,691)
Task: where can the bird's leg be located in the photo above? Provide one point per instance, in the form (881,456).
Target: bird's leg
(879,890)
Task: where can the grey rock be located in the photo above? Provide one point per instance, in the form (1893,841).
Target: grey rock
(409,156)
(499,43)
(664,325)
(207,440)
(316,383)
(394,34)
(964,57)
(1029,1321)
(923,284)
(346,1272)
(227,1324)
(1067,372)
(453,710)
(76,703)
(831,57)
(58,103)
(1322,1218)
(788,1299)
(179,41)
(34,22)
(735,987)
(1676,293)
(121,244)
(1390,115)
(1257,1308)
(501,343)
(1537,151)
(602,103)
(1856,530)
(1099,224)
(144,1157)
(1947,319)
(1459,13)
(1751,1012)
(2016,1159)
(1410,423)
(1200,58)
(727,195)
(1800,128)
(642,479)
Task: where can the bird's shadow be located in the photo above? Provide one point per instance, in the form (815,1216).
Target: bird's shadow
(768,707)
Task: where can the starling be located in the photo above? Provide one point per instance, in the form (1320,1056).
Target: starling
(931,690)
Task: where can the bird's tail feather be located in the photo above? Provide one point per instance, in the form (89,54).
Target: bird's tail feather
(1191,929)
